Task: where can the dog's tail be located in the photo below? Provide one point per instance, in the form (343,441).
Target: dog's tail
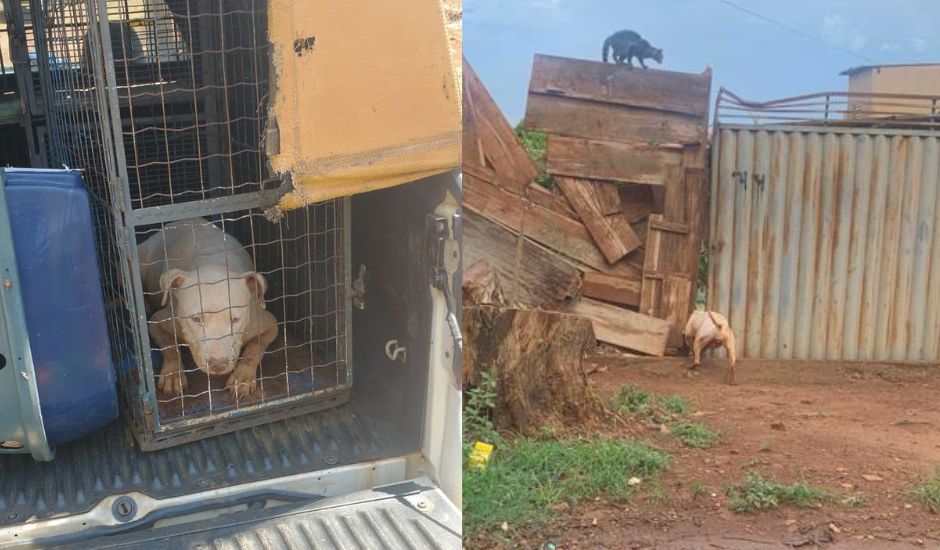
(606,49)
(712,317)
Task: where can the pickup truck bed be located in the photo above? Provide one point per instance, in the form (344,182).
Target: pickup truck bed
(100,467)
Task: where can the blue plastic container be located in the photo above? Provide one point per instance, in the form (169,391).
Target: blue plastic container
(58,287)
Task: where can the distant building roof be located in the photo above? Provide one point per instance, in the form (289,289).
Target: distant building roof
(860,68)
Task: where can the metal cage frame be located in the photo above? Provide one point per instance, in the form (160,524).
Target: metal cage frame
(120,215)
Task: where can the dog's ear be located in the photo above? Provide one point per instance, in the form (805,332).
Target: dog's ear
(257,284)
(170,280)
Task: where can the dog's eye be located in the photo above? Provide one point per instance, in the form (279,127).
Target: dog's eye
(196,319)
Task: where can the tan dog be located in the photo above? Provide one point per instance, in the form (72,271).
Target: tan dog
(706,330)
(208,297)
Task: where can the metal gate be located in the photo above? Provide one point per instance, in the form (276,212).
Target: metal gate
(825,242)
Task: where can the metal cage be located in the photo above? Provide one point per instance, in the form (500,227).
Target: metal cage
(163,104)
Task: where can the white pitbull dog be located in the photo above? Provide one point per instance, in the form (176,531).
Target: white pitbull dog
(209,297)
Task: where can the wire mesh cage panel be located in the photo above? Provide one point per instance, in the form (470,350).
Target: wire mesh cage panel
(302,260)
(163,104)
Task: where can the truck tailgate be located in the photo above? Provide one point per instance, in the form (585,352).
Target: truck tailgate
(413,514)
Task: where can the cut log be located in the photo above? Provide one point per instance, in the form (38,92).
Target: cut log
(611,289)
(531,276)
(536,356)
(481,286)
(615,240)
(625,328)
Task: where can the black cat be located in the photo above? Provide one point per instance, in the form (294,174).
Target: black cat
(627,45)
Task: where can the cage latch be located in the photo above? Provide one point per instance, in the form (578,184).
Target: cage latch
(438,235)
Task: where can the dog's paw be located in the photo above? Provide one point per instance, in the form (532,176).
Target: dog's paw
(172,383)
(242,382)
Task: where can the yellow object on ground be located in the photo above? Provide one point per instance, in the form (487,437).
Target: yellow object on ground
(365,95)
(480,455)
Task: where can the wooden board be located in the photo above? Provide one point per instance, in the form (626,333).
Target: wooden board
(610,160)
(555,231)
(636,202)
(495,136)
(608,199)
(609,288)
(552,199)
(605,121)
(686,93)
(615,240)
(625,328)
(530,276)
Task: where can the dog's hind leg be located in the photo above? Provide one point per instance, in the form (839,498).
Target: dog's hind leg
(732,359)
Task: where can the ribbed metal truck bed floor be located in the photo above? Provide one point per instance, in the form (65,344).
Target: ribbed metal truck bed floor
(109,463)
(410,515)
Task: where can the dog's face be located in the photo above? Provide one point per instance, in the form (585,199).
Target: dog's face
(211,312)
(658,55)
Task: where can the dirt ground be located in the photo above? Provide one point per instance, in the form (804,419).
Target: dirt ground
(828,425)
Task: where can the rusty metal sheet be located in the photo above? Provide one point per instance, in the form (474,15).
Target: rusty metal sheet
(825,243)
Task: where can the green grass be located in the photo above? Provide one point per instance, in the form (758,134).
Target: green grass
(693,435)
(758,493)
(699,490)
(478,412)
(632,399)
(929,492)
(535,143)
(675,404)
(855,500)
(525,478)
(665,409)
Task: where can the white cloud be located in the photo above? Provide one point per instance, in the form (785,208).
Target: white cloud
(837,31)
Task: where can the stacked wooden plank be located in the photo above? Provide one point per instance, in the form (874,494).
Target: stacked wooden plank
(541,243)
(627,149)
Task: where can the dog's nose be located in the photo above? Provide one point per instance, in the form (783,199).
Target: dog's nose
(218,364)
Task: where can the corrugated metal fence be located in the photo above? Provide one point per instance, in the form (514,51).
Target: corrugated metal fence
(825,240)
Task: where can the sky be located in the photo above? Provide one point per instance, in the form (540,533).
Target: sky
(750,56)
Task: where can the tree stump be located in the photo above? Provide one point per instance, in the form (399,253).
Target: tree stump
(536,357)
(481,286)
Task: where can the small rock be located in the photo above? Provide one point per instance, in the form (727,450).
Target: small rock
(594,521)
(697,414)
(633,481)
(920,541)
(790,522)
(835,529)
(735,451)
(778,426)
(665,429)
(504,526)
(908,506)
(848,486)
(872,477)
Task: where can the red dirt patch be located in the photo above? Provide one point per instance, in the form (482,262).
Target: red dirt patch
(826,424)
